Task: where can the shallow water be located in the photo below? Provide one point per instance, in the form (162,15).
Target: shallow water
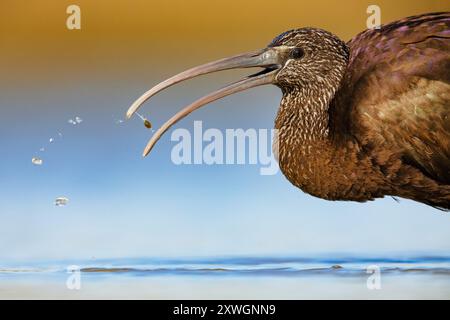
(231,278)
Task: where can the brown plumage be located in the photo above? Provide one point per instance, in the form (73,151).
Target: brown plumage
(357,120)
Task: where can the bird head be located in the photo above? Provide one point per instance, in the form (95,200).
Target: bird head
(314,57)
(301,59)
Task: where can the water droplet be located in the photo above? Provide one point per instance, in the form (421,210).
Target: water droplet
(37,161)
(50,140)
(61,201)
(71,121)
(60,134)
(119,121)
(78,120)
(42,149)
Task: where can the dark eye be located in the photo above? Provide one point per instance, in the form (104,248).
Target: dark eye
(297,53)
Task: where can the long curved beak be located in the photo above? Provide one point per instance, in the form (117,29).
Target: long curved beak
(270,58)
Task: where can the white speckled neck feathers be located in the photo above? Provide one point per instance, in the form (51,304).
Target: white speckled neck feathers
(303,117)
(303,143)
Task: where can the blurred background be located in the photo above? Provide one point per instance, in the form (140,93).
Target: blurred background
(121,205)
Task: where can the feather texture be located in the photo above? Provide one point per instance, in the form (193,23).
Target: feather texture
(387,117)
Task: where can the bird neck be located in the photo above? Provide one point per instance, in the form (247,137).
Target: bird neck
(303,134)
(303,116)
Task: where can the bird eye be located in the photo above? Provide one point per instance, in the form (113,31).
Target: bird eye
(297,53)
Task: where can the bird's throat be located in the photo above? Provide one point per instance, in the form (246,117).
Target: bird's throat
(302,119)
(303,142)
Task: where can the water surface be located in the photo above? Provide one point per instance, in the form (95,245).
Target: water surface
(230,278)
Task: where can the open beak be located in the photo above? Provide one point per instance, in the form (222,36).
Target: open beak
(270,58)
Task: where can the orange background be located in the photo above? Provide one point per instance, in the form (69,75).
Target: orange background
(115,34)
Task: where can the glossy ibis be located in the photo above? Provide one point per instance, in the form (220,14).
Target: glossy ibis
(357,120)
